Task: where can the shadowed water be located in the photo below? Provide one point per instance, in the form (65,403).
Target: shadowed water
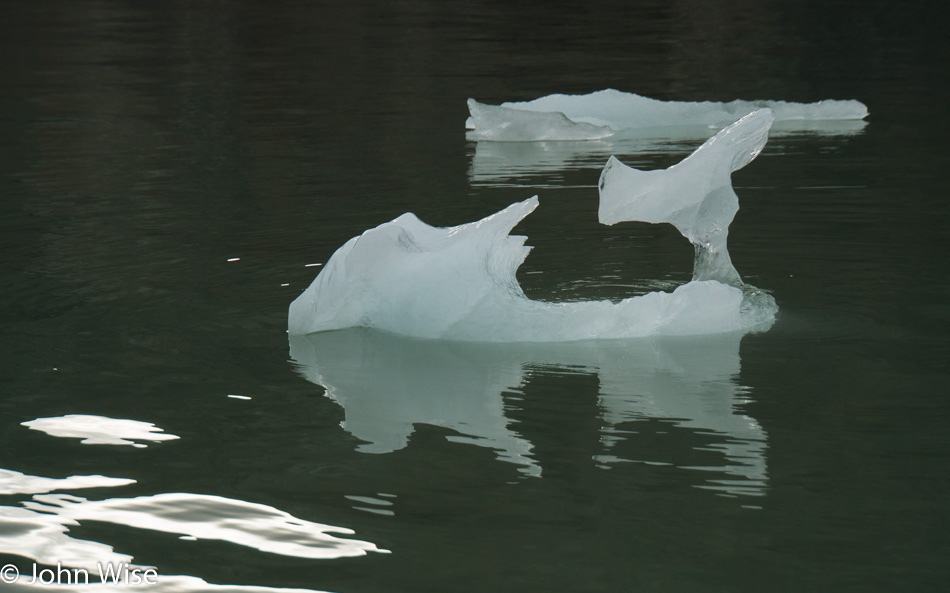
(169,174)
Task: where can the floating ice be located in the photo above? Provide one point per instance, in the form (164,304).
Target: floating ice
(502,123)
(459,283)
(602,113)
(695,195)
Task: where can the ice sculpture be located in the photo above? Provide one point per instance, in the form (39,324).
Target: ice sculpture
(387,385)
(695,195)
(459,283)
(602,113)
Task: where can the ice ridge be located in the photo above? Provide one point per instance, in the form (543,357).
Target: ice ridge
(603,113)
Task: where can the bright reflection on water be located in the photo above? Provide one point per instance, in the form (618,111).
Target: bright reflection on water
(167,584)
(387,384)
(12,482)
(98,430)
(199,516)
(40,528)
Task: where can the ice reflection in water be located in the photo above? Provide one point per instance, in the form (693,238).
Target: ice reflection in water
(388,383)
(534,164)
(100,430)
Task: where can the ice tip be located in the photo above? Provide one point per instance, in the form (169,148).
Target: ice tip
(515,212)
(763,116)
(526,207)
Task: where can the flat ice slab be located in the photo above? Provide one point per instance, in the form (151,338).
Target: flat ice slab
(604,113)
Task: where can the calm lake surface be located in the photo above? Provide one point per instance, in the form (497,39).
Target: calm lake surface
(169,172)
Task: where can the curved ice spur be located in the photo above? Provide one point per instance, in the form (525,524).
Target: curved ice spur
(459,283)
(694,195)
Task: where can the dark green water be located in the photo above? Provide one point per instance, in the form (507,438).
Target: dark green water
(143,145)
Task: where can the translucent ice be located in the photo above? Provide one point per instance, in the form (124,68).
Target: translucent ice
(695,195)
(502,123)
(459,283)
(610,111)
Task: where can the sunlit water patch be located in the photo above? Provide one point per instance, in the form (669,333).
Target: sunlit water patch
(206,517)
(100,430)
(39,530)
(12,482)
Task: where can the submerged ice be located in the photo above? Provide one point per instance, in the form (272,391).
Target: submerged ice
(604,113)
(459,283)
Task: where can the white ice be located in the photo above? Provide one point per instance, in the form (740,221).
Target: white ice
(603,113)
(695,195)
(492,122)
(459,283)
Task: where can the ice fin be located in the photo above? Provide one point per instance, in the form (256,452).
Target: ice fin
(416,277)
(695,195)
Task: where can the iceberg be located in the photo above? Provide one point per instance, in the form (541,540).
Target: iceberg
(694,195)
(459,283)
(604,113)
